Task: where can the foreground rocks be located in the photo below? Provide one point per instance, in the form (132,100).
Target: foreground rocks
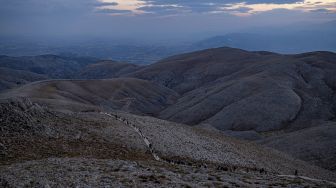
(41,147)
(80,172)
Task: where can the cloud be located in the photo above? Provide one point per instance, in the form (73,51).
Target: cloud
(113,12)
(306,6)
(133,6)
(159,7)
(245,8)
(163,9)
(153,17)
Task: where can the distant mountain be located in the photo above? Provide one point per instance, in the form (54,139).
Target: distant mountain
(123,51)
(282,40)
(281,43)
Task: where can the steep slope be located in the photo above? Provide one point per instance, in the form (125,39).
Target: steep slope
(33,136)
(31,132)
(128,94)
(252,95)
(316,145)
(170,141)
(232,89)
(107,69)
(189,71)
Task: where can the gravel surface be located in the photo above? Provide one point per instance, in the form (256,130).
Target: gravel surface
(80,172)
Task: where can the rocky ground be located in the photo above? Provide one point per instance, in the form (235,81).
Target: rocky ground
(43,148)
(84,172)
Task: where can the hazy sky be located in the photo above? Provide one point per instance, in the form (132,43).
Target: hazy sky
(155,18)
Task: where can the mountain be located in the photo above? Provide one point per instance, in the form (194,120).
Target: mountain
(100,149)
(233,89)
(254,95)
(189,71)
(282,43)
(285,105)
(291,39)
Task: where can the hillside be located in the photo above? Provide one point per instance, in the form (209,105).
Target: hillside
(10,78)
(284,102)
(114,145)
(17,71)
(233,89)
(127,94)
(255,95)
(315,145)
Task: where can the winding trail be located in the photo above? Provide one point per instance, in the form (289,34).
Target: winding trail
(157,158)
(138,131)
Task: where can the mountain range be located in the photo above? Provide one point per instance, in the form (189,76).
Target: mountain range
(226,107)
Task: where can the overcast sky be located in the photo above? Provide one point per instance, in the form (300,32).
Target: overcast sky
(155,18)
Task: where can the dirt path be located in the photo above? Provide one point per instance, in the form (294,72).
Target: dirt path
(156,157)
(138,131)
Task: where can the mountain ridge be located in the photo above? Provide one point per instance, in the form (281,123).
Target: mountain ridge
(258,96)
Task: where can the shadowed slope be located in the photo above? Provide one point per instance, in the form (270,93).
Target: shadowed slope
(316,145)
(262,92)
(234,89)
